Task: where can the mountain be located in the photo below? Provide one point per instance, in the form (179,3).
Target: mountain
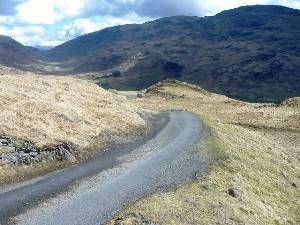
(14,54)
(250,53)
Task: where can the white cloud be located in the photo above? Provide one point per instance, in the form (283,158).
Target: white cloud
(48,11)
(127,19)
(27,35)
(83,26)
(79,27)
(7,20)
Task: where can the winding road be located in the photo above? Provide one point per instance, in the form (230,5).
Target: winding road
(92,192)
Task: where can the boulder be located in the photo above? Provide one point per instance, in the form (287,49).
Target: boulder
(235,192)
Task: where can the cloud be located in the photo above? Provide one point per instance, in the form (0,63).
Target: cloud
(169,8)
(82,26)
(26,34)
(54,11)
(162,8)
(147,8)
(48,11)
(7,20)
(79,27)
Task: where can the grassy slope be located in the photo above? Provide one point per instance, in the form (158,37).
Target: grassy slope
(252,147)
(53,110)
(57,110)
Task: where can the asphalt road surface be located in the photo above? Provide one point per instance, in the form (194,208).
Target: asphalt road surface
(93,192)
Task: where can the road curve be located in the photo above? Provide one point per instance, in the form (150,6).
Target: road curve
(92,192)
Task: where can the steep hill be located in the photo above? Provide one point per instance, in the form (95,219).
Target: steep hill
(14,54)
(250,53)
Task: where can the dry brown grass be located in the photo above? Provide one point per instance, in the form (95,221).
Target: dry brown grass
(51,110)
(253,147)
(48,110)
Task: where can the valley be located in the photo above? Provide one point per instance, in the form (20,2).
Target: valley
(250,53)
(178,120)
(249,152)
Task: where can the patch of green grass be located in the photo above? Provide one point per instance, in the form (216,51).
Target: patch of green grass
(214,144)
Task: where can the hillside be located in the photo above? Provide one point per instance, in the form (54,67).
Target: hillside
(43,118)
(249,53)
(50,110)
(14,54)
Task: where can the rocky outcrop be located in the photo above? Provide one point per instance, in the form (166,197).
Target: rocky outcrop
(27,154)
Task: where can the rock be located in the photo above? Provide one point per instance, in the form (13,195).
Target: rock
(4,142)
(44,156)
(28,147)
(7,142)
(24,158)
(234,192)
(28,154)
(69,157)
(66,153)
(33,154)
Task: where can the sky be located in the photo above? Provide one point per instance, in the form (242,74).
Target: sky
(52,22)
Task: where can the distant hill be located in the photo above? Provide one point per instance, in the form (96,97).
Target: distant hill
(43,48)
(14,54)
(250,53)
